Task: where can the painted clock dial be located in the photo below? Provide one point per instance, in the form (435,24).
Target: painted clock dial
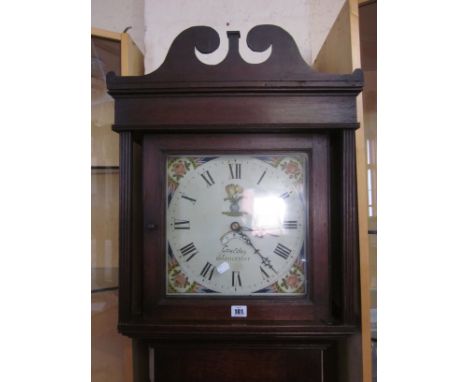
(236,224)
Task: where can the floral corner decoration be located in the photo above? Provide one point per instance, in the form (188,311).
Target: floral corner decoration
(292,168)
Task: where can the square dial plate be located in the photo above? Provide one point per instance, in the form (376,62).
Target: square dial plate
(236,225)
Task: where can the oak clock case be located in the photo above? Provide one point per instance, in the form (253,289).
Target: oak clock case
(238,189)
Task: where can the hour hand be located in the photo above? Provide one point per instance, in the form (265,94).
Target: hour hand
(265,260)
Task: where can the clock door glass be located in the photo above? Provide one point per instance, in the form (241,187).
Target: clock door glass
(236,224)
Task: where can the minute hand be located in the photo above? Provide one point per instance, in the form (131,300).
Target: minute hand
(265,260)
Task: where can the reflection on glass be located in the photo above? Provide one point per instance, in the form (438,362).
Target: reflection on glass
(111,352)
(104,228)
(268,214)
(105,57)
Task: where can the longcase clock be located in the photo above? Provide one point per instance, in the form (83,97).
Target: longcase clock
(238,225)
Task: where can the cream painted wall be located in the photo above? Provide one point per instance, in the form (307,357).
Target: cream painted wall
(116,15)
(308,21)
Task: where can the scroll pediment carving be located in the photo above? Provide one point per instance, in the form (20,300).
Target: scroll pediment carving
(284,68)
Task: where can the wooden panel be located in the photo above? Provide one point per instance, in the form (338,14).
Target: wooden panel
(362,202)
(141,113)
(131,57)
(105,34)
(104,142)
(141,361)
(125,225)
(349,229)
(335,55)
(130,227)
(368,37)
(110,52)
(105,56)
(104,219)
(341,54)
(234,363)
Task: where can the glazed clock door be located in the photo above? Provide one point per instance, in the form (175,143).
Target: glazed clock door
(236,219)
(236,224)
